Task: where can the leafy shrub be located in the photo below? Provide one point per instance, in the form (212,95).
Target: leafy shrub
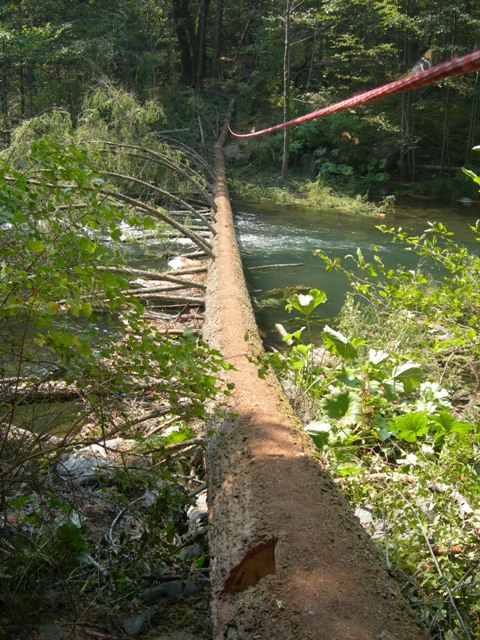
(396,415)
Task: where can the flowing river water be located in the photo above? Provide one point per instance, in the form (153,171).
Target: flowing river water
(273,235)
(278,235)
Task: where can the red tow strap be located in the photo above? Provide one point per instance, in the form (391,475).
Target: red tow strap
(455,67)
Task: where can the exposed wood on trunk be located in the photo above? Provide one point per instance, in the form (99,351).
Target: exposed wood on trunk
(147,291)
(288,558)
(159,289)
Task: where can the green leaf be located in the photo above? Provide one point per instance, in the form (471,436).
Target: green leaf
(410,426)
(36,246)
(446,423)
(338,344)
(149,222)
(377,357)
(87,245)
(52,307)
(409,374)
(70,537)
(319,432)
(19,502)
(344,406)
(471,174)
(306,303)
(347,469)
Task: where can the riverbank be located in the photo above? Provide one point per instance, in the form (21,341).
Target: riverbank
(361,196)
(391,401)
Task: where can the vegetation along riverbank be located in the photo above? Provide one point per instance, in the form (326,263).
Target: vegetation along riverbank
(108,114)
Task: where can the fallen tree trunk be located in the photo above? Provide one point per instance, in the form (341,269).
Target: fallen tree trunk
(288,557)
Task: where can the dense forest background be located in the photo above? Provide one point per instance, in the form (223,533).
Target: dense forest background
(193,55)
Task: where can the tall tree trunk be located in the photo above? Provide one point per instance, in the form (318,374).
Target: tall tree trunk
(218,40)
(445,153)
(473,119)
(185,33)
(21,78)
(201,42)
(286,92)
(4,103)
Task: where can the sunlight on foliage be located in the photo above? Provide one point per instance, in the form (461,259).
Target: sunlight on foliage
(396,415)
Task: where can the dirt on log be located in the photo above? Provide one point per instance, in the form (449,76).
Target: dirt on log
(288,557)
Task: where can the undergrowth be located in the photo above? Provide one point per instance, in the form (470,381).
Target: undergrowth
(391,400)
(92,514)
(314,194)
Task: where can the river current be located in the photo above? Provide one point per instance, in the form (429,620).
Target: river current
(279,235)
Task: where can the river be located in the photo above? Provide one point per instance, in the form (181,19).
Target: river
(279,235)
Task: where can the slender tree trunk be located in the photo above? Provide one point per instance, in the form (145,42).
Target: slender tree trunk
(184,31)
(4,103)
(312,58)
(201,42)
(286,92)
(445,154)
(242,38)
(21,78)
(473,119)
(404,114)
(218,40)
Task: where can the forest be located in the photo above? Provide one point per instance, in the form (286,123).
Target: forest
(193,56)
(109,111)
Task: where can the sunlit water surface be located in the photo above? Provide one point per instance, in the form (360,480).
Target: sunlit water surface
(279,236)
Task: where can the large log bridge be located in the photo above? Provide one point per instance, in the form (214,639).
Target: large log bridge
(289,559)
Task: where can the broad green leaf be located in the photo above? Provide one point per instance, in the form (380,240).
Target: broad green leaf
(449,424)
(347,469)
(149,222)
(87,244)
(409,374)
(343,406)
(471,174)
(36,246)
(410,426)
(52,307)
(306,303)
(319,431)
(338,344)
(377,357)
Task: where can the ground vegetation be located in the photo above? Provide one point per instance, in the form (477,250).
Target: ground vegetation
(390,397)
(102,394)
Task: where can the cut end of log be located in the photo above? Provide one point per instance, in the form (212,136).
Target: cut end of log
(257,563)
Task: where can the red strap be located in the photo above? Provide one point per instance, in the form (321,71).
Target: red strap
(455,67)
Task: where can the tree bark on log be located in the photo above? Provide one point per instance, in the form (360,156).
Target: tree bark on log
(288,557)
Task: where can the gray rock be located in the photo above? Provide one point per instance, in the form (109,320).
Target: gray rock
(141,623)
(97,462)
(53,631)
(170,591)
(198,514)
